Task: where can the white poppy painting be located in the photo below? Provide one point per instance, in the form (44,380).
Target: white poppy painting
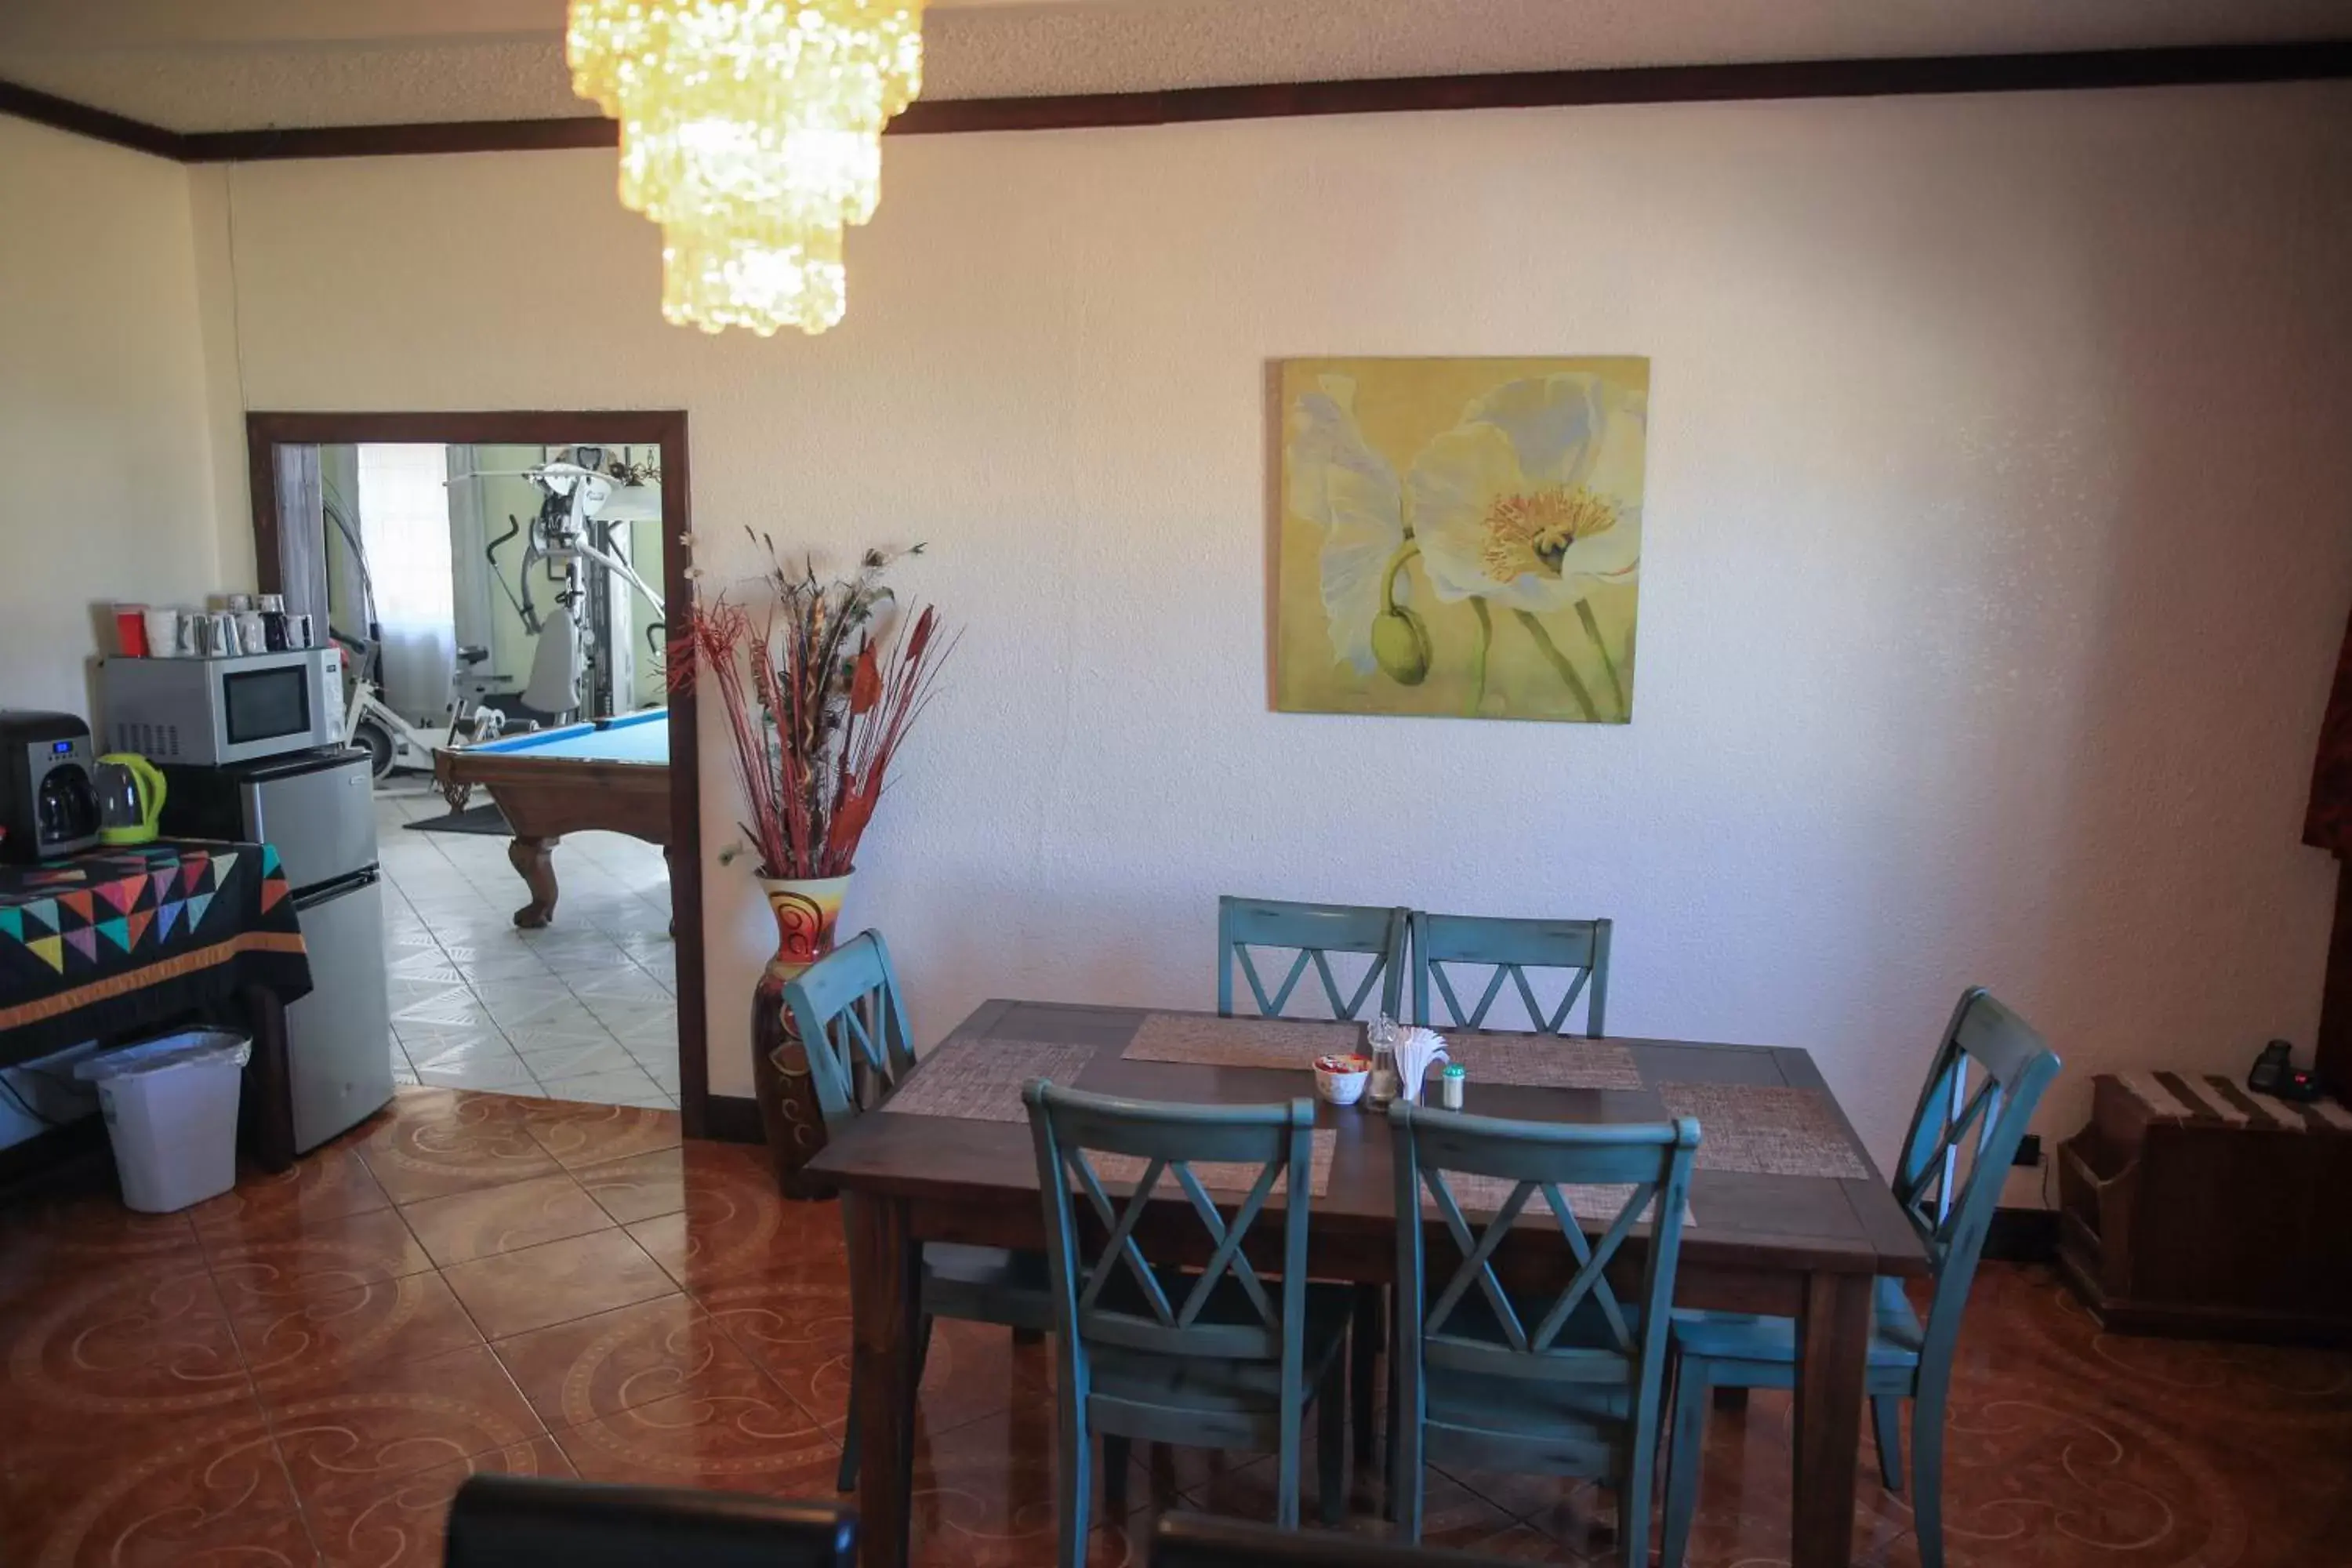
(1461,537)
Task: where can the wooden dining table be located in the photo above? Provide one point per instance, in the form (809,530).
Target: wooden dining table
(1758,1238)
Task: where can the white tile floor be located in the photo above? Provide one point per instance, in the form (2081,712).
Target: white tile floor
(585,1009)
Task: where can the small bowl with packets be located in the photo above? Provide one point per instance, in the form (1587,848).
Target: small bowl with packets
(1341,1079)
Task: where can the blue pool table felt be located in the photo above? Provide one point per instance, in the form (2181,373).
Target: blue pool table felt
(632,738)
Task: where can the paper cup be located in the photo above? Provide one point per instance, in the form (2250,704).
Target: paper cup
(162,632)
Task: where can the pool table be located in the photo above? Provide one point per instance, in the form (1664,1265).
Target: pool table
(610,773)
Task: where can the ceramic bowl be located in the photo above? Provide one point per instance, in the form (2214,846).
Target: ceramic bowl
(1340,1080)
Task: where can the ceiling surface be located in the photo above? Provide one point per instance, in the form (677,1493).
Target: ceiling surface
(211,65)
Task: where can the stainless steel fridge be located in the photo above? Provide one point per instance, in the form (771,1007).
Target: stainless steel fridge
(318,809)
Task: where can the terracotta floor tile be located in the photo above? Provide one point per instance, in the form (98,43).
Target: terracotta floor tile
(293,1257)
(143,1342)
(441,1141)
(302,1348)
(596,1366)
(752,1438)
(797,1326)
(403,1524)
(639,1187)
(324,1185)
(576,1135)
(130,1430)
(490,1220)
(733,1225)
(215,1493)
(393,1419)
(84,1233)
(985,1496)
(555,1282)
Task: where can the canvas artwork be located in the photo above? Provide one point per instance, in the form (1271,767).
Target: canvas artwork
(1460,537)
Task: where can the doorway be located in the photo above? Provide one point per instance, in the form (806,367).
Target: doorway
(498,583)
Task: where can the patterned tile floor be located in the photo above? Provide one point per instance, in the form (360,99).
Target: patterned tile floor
(303,1370)
(584,1010)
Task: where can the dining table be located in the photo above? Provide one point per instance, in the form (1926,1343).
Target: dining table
(1786,1214)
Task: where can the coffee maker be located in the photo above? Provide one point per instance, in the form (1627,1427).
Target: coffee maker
(48,806)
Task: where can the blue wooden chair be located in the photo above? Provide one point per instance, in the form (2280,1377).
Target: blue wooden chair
(1315,931)
(1568,1385)
(850,1016)
(1952,1209)
(1511,947)
(1216,1357)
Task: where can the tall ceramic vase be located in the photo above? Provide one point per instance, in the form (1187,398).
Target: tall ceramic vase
(805,912)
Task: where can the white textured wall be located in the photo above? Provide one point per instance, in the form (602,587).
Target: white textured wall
(108,490)
(1997,534)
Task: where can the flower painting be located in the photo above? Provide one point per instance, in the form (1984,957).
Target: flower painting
(1460,537)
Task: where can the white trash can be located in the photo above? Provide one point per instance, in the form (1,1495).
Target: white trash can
(171,1113)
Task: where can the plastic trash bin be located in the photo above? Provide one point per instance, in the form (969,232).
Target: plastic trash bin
(171,1113)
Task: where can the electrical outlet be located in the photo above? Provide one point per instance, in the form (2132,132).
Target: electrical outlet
(2029,1150)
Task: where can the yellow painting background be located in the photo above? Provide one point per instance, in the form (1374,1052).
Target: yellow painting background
(1400,406)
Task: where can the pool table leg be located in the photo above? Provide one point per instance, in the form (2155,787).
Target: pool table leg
(535,858)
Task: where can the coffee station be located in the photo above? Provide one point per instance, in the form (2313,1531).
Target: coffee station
(206,853)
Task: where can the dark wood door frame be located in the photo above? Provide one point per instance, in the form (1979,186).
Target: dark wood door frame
(266,433)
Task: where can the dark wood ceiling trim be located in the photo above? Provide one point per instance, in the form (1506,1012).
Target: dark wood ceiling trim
(393,141)
(2077,70)
(65,114)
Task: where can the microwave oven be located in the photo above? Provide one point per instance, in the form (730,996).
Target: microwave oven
(212,712)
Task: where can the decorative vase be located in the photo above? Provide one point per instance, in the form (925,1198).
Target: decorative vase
(805,910)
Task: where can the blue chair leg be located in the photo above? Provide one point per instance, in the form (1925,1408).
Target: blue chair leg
(1285,1501)
(1684,1453)
(1405,1474)
(1114,1470)
(1365,1335)
(1331,1446)
(1927,1476)
(1887,1424)
(846,1478)
(1077,1486)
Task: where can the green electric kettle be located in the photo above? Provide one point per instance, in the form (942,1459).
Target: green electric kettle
(130,798)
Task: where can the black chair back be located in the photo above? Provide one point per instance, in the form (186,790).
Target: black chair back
(521,1522)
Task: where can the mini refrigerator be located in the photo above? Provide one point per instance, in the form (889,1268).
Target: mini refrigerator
(316,808)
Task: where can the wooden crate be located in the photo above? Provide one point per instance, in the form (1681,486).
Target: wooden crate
(2190,1207)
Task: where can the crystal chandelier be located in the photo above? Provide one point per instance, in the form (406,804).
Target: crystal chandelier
(750,130)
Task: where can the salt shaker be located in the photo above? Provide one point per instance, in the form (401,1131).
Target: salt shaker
(1450,1085)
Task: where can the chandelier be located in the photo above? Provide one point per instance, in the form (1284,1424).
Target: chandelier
(750,130)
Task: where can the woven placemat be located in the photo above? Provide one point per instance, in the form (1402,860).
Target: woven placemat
(1765,1129)
(1221,1178)
(1287,1043)
(1598,1202)
(1543,1061)
(981,1081)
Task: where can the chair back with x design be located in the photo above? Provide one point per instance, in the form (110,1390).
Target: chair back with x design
(1511,948)
(853,1022)
(1511,1170)
(1316,931)
(1105,1161)
(1957,1155)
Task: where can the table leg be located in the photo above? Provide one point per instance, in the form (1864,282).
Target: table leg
(266,1115)
(885,1285)
(1833,1358)
(535,858)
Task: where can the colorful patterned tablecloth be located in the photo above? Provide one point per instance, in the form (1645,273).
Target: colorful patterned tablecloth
(116,939)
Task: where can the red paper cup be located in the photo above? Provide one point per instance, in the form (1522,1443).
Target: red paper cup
(131,630)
